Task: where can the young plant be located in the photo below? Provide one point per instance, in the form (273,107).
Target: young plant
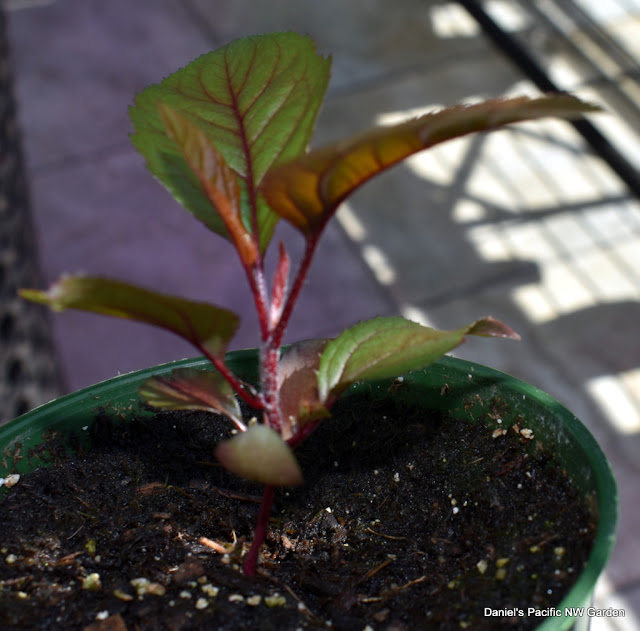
(228,135)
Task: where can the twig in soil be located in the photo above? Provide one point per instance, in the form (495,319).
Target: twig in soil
(68,559)
(540,541)
(508,468)
(77,490)
(301,604)
(387,594)
(376,569)
(75,533)
(150,488)
(409,584)
(256,499)
(220,548)
(18,580)
(194,499)
(380,534)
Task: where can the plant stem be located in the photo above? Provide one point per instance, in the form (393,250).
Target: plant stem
(269,357)
(251,560)
(303,434)
(258,287)
(242,392)
(298,283)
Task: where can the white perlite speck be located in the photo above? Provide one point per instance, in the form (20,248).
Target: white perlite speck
(210,590)
(11,480)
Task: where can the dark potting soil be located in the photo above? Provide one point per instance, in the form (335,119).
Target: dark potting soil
(405,522)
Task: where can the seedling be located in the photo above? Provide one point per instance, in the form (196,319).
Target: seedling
(228,135)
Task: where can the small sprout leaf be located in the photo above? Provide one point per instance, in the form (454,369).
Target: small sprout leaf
(208,327)
(256,101)
(307,191)
(260,454)
(298,385)
(387,347)
(192,389)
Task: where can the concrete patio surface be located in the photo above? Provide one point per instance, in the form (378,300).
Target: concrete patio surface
(524,224)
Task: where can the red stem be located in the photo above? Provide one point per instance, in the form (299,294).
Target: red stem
(251,560)
(292,298)
(269,357)
(255,276)
(306,431)
(248,397)
(271,348)
(270,354)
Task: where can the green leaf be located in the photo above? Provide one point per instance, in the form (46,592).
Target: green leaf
(307,191)
(387,347)
(208,327)
(260,454)
(255,100)
(192,389)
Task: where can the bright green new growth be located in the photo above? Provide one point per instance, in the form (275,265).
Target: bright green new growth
(227,135)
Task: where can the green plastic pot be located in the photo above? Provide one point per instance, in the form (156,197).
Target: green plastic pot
(464,389)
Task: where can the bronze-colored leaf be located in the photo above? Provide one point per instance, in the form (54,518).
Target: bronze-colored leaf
(191,389)
(218,180)
(206,326)
(307,191)
(298,386)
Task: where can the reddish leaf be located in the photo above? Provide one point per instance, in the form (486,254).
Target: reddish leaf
(308,190)
(208,327)
(191,389)
(218,181)
(298,386)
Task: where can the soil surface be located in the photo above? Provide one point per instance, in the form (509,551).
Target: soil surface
(405,522)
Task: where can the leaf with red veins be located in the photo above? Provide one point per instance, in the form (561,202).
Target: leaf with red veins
(192,389)
(308,190)
(255,100)
(387,347)
(207,327)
